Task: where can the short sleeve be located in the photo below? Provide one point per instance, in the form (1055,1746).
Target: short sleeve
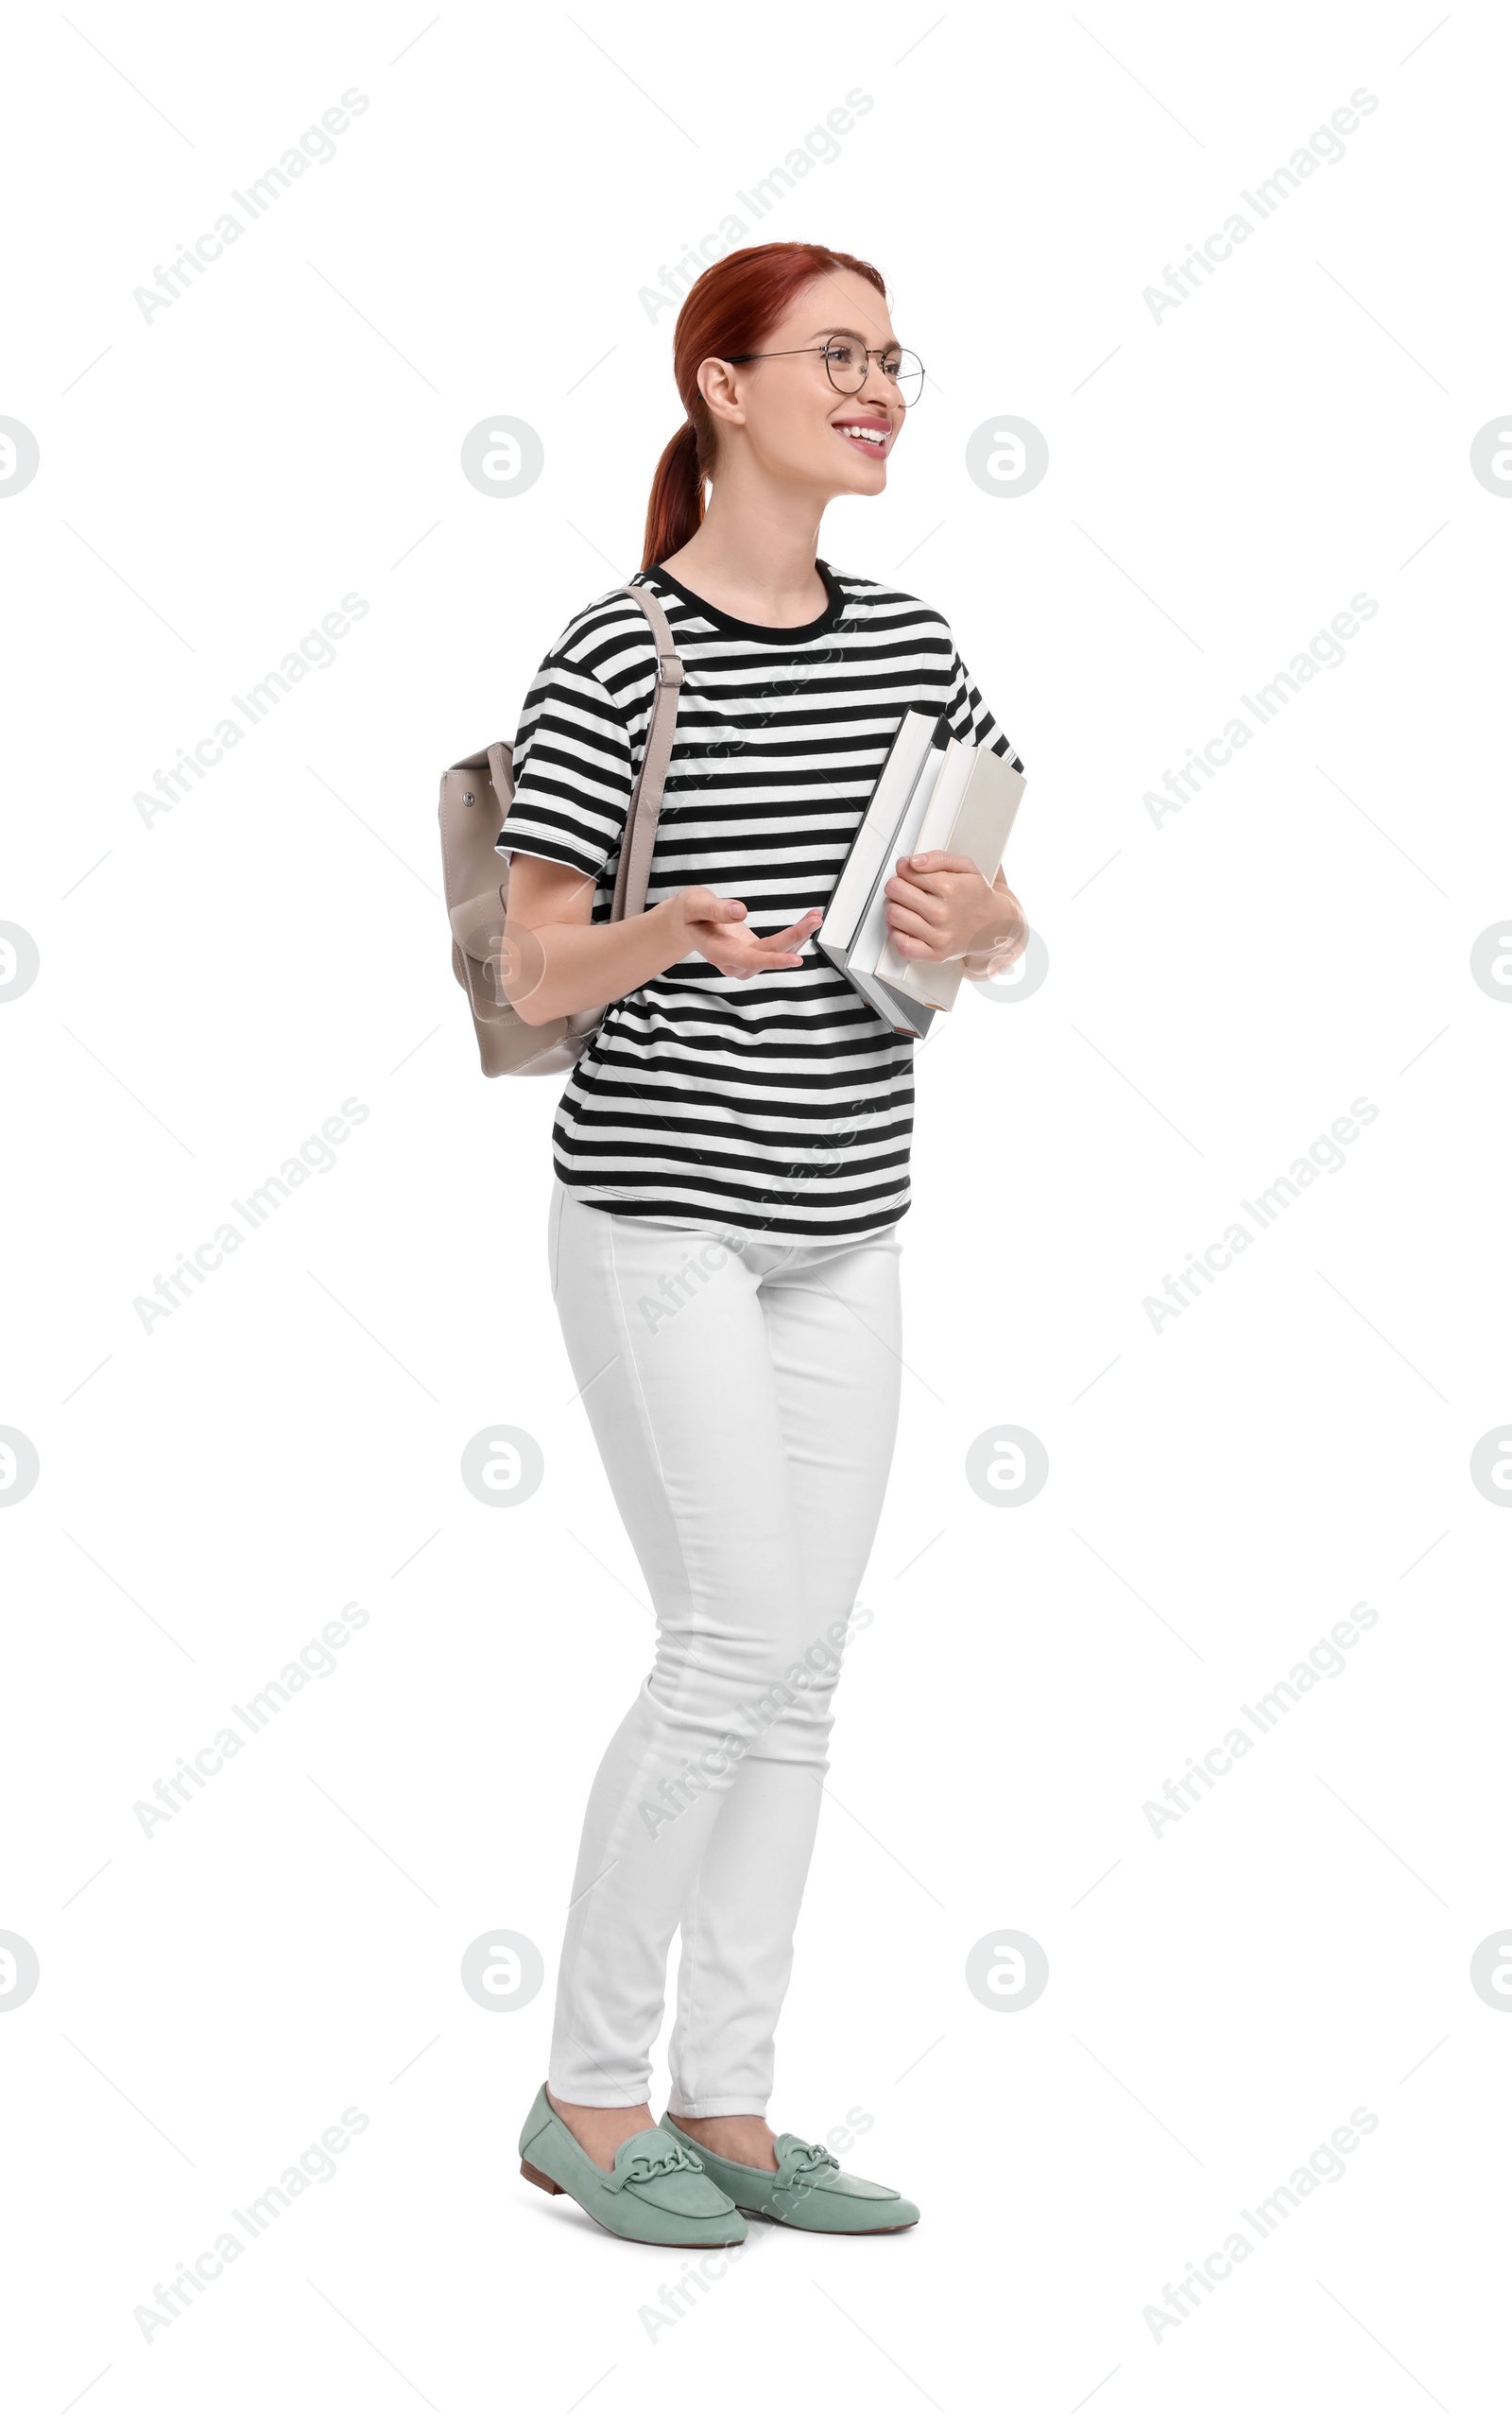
(971,720)
(573,772)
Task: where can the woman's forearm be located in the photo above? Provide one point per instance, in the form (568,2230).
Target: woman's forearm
(571,966)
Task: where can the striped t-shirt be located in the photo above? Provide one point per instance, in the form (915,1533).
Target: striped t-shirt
(780,1103)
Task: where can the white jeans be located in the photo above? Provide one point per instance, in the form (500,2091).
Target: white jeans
(744,1396)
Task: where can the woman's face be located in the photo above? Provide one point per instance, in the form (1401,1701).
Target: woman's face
(797,425)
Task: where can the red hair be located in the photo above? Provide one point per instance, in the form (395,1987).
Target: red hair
(728,311)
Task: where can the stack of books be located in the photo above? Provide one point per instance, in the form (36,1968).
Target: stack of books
(934,794)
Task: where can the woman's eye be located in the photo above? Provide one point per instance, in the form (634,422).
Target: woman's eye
(843,356)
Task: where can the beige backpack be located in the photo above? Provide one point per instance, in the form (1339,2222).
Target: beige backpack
(475,793)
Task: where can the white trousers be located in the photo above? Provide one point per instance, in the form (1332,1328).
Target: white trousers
(744,1396)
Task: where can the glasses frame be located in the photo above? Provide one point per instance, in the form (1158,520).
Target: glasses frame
(873,353)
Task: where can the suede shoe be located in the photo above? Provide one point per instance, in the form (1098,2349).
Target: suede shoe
(809,2190)
(657,2191)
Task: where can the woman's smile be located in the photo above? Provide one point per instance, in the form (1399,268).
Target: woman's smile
(869,434)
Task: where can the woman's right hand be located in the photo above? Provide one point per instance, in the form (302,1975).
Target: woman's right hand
(715,925)
(558,959)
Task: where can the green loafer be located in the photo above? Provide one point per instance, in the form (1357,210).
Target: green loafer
(809,2190)
(657,2191)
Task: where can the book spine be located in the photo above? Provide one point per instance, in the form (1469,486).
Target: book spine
(879,824)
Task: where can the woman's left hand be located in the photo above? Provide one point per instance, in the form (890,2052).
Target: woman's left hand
(940,907)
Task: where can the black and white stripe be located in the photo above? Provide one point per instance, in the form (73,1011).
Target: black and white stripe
(779,1103)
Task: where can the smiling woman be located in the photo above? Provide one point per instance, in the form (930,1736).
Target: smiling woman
(742,1112)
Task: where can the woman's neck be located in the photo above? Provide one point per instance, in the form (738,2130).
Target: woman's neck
(753,558)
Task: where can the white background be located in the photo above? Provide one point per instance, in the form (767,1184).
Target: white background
(1221,1491)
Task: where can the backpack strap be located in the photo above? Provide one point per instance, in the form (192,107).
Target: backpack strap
(646,802)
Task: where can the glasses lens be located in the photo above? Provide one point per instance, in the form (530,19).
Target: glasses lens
(845,362)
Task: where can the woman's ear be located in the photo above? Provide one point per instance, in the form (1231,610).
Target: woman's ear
(717,385)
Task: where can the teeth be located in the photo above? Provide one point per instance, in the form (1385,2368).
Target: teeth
(853,430)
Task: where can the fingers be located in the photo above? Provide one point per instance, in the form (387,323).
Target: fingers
(740,956)
(785,952)
(743,954)
(912,912)
(729,967)
(703,908)
(920,948)
(936,864)
(799,931)
(909,935)
(910,897)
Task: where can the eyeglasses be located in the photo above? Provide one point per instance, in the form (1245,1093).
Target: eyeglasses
(846,360)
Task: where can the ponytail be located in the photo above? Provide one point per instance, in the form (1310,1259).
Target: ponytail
(728,311)
(676,509)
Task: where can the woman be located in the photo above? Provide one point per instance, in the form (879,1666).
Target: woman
(731,1166)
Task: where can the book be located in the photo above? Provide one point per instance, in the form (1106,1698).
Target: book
(971,811)
(872,933)
(900,1011)
(853,922)
(890,798)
